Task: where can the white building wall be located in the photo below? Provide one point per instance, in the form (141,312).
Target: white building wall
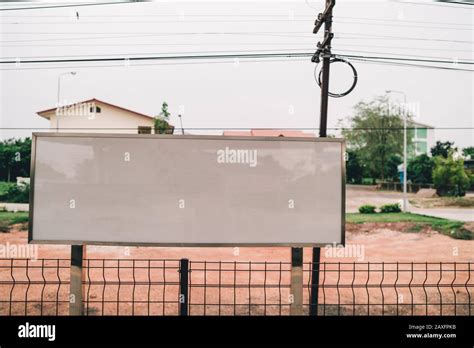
(109,120)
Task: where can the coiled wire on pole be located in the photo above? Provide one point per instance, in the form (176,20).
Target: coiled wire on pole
(335,59)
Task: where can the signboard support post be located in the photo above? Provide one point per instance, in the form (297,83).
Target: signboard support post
(313,307)
(296,288)
(183,286)
(76,286)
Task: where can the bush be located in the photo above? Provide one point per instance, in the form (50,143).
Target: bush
(367,209)
(390,208)
(354,169)
(449,176)
(16,194)
(471,182)
(420,169)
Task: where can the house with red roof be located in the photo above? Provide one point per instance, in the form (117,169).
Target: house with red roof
(97,116)
(270,133)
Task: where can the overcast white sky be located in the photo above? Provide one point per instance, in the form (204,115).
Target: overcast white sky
(237,94)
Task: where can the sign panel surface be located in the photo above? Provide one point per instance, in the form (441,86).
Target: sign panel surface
(124,189)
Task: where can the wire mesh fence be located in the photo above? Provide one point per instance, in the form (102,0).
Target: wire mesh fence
(163,287)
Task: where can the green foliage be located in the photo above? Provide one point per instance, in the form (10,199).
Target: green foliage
(443,149)
(165,114)
(376,134)
(161,126)
(354,170)
(468,151)
(16,194)
(7,219)
(390,208)
(15,156)
(368,181)
(454,229)
(367,209)
(391,167)
(471,180)
(449,176)
(420,169)
(161,121)
(4,187)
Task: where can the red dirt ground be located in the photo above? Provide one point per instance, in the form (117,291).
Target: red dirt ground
(380,243)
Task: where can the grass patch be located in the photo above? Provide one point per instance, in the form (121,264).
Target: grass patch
(452,228)
(7,219)
(390,217)
(416,228)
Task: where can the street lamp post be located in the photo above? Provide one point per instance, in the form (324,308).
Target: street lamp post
(405,202)
(181,123)
(59,96)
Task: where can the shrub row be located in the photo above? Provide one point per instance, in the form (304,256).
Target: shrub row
(387,208)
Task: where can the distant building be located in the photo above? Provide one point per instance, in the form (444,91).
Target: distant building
(469,165)
(269,133)
(422,137)
(97,116)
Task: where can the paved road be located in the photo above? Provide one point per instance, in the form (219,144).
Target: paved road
(461,214)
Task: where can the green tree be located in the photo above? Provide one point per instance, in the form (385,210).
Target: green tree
(443,148)
(391,167)
(420,169)
(468,151)
(165,114)
(449,176)
(354,169)
(161,122)
(376,133)
(15,157)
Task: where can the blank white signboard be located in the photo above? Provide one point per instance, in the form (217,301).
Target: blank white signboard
(124,189)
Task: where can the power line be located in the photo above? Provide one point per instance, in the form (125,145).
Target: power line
(231,43)
(411,65)
(234,56)
(288,20)
(194,62)
(412,59)
(445,5)
(262,128)
(403,25)
(350,36)
(288,17)
(146,64)
(213,51)
(371,37)
(118,2)
(267,33)
(175,57)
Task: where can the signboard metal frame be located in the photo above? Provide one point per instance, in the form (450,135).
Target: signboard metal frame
(35,136)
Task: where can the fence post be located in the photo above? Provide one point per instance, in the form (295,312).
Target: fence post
(296,307)
(183,286)
(313,307)
(76,290)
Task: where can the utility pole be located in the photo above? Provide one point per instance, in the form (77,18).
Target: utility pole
(324,51)
(325,47)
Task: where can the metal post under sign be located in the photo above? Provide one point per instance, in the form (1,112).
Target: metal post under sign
(76,285)
(296,289)
(183,287)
